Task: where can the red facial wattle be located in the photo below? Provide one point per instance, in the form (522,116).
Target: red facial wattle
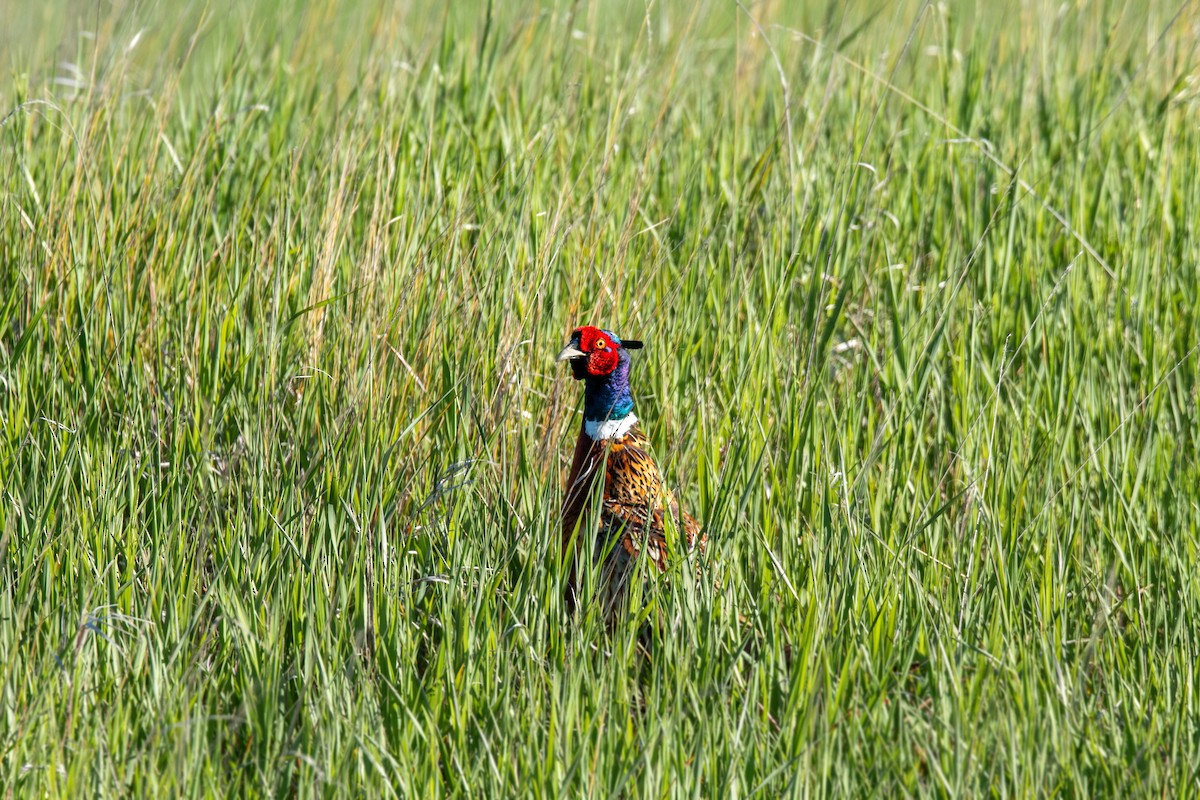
(602,362)
(601,350)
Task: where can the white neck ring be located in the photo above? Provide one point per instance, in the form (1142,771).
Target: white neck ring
(599,429)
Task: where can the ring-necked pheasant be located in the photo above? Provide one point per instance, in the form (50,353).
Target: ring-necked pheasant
(634,503)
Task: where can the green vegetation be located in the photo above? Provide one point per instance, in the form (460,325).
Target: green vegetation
(282,440)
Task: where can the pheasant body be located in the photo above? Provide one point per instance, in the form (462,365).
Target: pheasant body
(633,503)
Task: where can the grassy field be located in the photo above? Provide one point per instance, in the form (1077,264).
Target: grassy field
(282,440)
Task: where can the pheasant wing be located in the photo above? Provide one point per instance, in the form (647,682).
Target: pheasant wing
(635,503)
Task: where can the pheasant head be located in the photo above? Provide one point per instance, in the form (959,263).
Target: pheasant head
(601,359)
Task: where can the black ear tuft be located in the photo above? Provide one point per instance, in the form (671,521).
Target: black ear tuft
(631,344)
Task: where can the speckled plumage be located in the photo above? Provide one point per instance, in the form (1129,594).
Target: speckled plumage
(634,503)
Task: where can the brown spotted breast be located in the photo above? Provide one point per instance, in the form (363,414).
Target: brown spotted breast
(634,509)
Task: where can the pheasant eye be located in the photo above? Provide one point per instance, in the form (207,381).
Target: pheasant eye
(601,344)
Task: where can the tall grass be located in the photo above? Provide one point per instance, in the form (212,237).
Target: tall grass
(282,440)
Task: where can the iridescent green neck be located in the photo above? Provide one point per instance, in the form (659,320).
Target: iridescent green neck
(607,397)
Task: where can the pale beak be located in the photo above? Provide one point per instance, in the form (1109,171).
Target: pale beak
(569,352)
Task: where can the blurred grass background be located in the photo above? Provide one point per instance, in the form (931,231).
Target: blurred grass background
(282,440)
